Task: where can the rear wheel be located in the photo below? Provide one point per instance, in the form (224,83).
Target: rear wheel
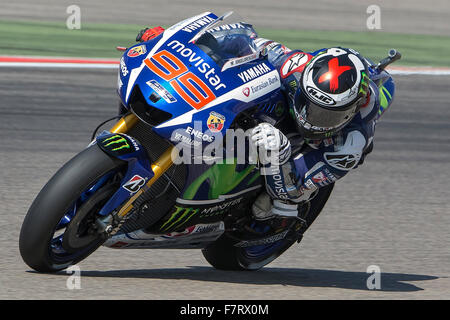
(223,254)
(59,228)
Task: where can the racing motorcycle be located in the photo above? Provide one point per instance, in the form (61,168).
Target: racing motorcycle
(127,190)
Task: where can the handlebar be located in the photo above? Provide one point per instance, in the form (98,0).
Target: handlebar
(393,56)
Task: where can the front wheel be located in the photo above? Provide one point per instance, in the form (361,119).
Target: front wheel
(59,229)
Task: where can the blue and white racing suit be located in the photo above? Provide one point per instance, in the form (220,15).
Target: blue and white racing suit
(320,162)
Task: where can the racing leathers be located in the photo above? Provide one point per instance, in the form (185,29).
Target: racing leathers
(303,165)
(313,164)
(307,165)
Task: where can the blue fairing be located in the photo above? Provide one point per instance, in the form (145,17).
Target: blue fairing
(170,71)
(232,91)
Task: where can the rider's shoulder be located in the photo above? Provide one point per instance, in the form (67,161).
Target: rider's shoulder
(294,62)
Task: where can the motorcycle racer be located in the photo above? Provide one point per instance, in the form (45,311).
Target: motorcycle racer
(335,98)
(335,106)
(311,115)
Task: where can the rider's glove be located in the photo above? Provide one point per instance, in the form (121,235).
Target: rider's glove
(148,34)
(273,146)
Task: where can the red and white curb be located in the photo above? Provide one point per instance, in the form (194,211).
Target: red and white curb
(90,63)
(49,62)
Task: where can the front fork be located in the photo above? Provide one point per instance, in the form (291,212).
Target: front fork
(112,221)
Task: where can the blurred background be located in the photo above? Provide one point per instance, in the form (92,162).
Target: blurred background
(420,29)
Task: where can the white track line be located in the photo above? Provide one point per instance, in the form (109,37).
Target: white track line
(59,65)
(420,72)
(393,71)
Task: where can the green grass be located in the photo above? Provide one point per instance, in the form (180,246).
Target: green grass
(415,49)
(100,40)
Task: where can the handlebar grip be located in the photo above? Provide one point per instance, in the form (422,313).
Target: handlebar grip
(393,56)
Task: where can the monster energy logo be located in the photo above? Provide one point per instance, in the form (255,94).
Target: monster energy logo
(116,141)
(293,84)
(183,215)
(364,83)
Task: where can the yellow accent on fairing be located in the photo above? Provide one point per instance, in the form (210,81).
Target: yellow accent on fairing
(125,124)
(159,167)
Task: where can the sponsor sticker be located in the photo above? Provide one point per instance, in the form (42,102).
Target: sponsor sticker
(320,96)
(328,142)
(199,134)
(220,207)
(194,59)
(269,82)
(295,63)
(215,122)
(309,184)
(161,91)
(118,144)
(134,184)
(207,228)
(254,72)
(137,51)
(241,60)
(293,84)
(198,24)
(123,67)
(263,241)
(227,27)
(319,178)
(259,86)
(341,161)
(191,136)
(175,234)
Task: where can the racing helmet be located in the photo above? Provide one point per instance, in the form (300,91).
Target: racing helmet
(333,87)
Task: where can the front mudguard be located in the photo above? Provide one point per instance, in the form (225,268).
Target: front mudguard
(126,148)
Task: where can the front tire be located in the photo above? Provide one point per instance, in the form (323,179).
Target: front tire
(37,243)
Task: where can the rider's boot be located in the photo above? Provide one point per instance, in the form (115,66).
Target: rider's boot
(264,208)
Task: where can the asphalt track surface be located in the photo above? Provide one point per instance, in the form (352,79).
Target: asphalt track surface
(392,212)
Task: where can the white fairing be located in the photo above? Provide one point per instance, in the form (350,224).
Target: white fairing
(247,92)
(192,237)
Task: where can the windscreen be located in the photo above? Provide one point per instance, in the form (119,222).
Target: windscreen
(226,39)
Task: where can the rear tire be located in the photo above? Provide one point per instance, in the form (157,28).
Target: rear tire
(222,254)
(51,205)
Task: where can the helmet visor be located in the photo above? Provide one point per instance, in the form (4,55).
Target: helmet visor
(316,118)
